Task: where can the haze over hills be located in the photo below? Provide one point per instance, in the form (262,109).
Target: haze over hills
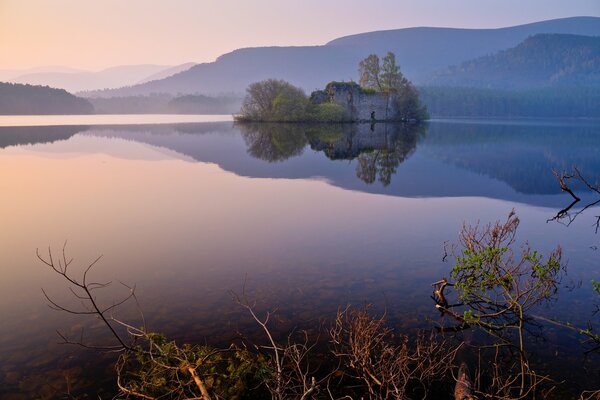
(168,72)
(420,52)
(6,75)
(542,60)
(78,80)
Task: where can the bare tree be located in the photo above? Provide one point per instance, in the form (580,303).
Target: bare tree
(387,370)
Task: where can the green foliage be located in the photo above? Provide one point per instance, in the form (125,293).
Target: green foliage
(497,286)
(273,100)
(289,106)
(366,90)
(369,72)
(161,368)
(327,112)
(388,78)
(596,286)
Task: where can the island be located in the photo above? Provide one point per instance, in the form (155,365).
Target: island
(383,94)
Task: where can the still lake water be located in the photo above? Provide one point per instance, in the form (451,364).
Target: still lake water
(312,218)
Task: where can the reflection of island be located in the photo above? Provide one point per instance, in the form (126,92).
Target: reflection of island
(378,148)
(511,161)
(22,135)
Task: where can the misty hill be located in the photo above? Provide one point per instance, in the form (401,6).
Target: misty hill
(17,99)
(420,52)
(7,75)
(161,103)
(540,61)
(114,77)
(168,72)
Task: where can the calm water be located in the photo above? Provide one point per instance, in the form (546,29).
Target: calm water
(312,217)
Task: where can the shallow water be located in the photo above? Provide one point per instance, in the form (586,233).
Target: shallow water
(311,217)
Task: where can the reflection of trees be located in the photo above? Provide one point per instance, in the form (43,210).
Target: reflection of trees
(273,142)
(379,149)
(566,216)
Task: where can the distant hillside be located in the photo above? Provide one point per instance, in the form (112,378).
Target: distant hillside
(114,77)
(420,52)
(7,75)
(167,72)
(16,99)
(166,104)
(542,60)
(551,102)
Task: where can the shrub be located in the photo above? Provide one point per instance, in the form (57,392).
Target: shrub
(328,112)
(273,100)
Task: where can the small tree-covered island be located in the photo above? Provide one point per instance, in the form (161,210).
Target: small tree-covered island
(383,94)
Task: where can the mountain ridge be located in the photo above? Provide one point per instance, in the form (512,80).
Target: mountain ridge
(542,60)
(310,67)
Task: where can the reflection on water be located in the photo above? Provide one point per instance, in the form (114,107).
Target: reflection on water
(186,211)
(378,148)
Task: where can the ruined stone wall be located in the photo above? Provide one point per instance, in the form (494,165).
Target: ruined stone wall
(361,105)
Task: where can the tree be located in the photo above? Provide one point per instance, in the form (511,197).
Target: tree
(369,72)
(388,78)
(497,286)
(273,100)
(391,78)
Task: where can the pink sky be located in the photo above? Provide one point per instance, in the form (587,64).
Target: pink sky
(94,34)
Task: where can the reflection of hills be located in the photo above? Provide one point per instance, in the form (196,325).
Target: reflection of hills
(23,135)
(503,161)
(523,155)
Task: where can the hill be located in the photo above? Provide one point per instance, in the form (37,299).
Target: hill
(420,52)
(17,99)
(114,77)
(543,60)
(167,72)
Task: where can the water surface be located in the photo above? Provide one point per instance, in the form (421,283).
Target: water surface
(311,217)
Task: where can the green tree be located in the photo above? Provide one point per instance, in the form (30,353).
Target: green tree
(387,78)
(369,72)
(273,100)
(390,77)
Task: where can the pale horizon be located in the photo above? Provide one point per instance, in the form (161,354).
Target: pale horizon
(99,35)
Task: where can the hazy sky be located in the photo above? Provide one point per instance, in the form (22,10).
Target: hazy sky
(94,34)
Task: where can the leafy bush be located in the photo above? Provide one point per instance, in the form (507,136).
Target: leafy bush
(328,112)
(273,100)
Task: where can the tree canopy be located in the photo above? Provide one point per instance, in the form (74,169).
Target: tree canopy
(382,76)
(274,100)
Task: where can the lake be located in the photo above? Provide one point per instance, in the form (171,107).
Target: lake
(311,218)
